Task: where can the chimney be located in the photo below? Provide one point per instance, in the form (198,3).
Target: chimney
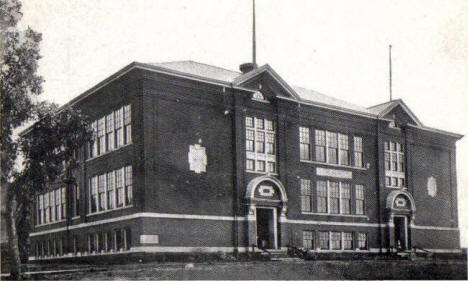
(247,67)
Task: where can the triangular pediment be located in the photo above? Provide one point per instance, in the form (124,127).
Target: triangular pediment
(266,80)
(397,111)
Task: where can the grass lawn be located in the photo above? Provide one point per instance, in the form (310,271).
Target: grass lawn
(357,269)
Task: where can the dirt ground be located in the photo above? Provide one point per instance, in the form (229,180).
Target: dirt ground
(299,270)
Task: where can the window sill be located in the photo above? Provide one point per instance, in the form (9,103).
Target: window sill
(335,215)
(108,211)
(261,173)
(333,165)
(396,187)
(50,223)
(108,152)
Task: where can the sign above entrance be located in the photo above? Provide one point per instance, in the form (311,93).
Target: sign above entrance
(197,158)
(266,190)
(334,173)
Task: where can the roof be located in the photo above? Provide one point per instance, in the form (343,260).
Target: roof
(230,76)
(225,77)
(201,69)
(315,96)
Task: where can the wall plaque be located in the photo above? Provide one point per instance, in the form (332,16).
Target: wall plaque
(431,186)
(334,173)
(149,239)
(197,158)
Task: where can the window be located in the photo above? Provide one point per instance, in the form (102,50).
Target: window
(52,205)
(260,145)
(91,245)
(347,240)
(322,197)
(270,149)
(108,242)
(345,198)
(249,122)
(101,129)
(46,207)
(58,209)
(320,143)
(394,164)
(250,165)
(127,238)
(261,166)
(306,196)
(249,140)
(118,240)
(63,203)
(128,186)
(335,240)
(76,201)
(111,131)
(358,151)
(93,190)
(40,208)
(308,239)
(334,198)
(93,143)
(260,142)
(120,187)
(110,140)
(128,124)
(99,242)
(269,125)
(343,145)
(75,244)
(119,135)
(110,190)
(102,192)
(304,140)
(362,241)
(359,189)
(324,240)
(332,148)
(271,167)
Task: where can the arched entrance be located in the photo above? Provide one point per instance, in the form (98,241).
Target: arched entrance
(401,212)
(266,201)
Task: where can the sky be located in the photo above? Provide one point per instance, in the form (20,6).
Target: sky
(339,48)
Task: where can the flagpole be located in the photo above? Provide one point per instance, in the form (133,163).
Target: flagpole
(390,69)
(254,47)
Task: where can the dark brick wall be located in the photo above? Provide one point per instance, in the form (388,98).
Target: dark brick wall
(169,114)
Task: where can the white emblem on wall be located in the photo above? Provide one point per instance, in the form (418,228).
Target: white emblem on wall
(431,186)
(197,158)
(400,203)
(265,190)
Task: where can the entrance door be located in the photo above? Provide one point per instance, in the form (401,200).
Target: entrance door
(401,232)
(266,228)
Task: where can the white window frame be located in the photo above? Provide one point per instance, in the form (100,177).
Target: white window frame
(393,173)
(255,155)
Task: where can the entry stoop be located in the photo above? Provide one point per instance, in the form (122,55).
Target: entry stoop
(280,255)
